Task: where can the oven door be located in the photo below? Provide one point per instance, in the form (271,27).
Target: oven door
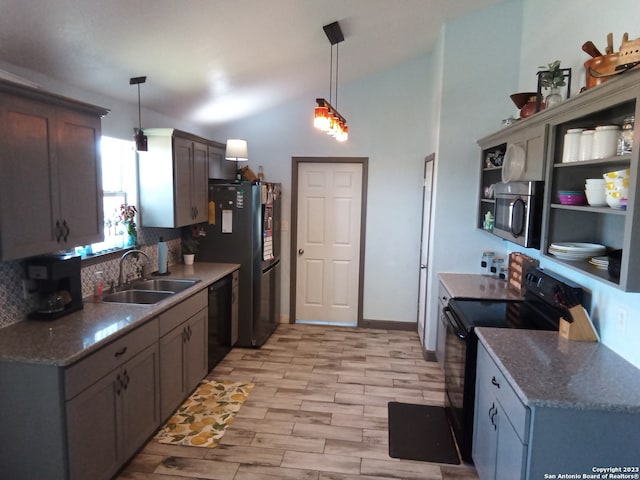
(455,359)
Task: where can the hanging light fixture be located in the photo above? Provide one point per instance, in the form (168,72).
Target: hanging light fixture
(139,136)
(326,118)
(237,151)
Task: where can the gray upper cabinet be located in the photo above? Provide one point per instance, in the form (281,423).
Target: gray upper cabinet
(616,229)
(219,167)
(51,175)
(173,178)
(526,138)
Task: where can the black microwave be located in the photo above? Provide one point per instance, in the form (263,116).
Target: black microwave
(518,212)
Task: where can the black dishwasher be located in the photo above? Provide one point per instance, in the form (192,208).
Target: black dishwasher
(223,318)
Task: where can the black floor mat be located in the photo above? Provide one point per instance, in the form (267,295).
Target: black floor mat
(420,432)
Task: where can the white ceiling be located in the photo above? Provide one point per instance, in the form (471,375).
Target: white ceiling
(214,61)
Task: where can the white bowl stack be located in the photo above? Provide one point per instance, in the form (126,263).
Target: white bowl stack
(595,190)
(617,188)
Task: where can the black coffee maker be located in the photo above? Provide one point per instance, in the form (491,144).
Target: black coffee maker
(58,284)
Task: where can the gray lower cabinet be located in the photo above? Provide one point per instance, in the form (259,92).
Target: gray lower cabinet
(110,420)
(512,440)
(501,424)
(183,351)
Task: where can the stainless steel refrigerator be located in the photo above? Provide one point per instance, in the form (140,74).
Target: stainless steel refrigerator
(244,228)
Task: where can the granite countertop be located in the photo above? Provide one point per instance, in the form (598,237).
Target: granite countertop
(65,340)
(476,286)
(547,370)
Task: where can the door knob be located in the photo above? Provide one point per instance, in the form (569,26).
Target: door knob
(300,251)
(423,266)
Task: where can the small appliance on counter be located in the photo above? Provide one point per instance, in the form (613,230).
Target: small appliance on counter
(58,284)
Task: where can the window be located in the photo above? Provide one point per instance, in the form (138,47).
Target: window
(119,186)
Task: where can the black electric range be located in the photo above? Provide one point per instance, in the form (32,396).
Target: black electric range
(541,309)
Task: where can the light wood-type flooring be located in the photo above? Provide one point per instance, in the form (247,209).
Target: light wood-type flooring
(318,411)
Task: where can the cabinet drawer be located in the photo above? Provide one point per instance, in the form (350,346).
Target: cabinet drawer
(89,370)
(490,377)
(184,310)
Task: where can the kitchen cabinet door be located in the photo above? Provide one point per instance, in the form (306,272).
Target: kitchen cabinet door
(219,167)
(92,432)
(485,433)
(200,182)
(183,361)
(172,387)
(30,201)
(51,173)
(511,454)
(183,174)
(173,179)
(140,407)
(196,350)
(110,420)
(80,178)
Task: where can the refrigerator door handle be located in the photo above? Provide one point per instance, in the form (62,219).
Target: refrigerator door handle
(271,266)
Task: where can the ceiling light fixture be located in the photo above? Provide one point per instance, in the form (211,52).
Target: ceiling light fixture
(237,151)
(326,117)
(139,136)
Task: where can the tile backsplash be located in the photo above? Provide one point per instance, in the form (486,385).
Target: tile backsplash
(14,308)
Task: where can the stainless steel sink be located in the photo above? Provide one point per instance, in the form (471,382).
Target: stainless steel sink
(145,297)
(164,284)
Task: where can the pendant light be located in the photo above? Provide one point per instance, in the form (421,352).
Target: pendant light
(139,136)
(326,118)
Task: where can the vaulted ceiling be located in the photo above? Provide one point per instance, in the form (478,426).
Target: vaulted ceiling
(214,61)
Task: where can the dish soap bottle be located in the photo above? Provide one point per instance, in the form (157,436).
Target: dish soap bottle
(163,253)
(98,287)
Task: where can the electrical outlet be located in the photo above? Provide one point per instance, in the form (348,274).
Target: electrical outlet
(622,319)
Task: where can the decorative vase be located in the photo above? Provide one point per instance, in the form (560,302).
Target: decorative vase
(188,258)
(529,108)
(132,235)
(553,98)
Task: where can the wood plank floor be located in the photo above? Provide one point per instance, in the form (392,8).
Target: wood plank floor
(318,411)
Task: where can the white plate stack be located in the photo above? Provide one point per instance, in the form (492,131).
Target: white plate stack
(576,251)
(601,263)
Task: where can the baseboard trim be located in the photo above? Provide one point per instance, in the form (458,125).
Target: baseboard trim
(389,325)
(429,355)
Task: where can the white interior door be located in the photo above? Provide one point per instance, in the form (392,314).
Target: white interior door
(328,242)
(427,196)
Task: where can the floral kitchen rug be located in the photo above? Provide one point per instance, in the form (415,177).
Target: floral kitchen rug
(203,418)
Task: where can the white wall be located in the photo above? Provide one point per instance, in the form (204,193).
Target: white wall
(556,30)
(478,58)
(390,116)
(521,35)
(122,118)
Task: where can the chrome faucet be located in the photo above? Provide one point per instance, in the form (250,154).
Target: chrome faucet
(125,255)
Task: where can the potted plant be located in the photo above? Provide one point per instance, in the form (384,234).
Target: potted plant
(552,78)
(191,242)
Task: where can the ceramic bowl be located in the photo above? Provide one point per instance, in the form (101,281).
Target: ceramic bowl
(596,197)
(616,174)
(572,198)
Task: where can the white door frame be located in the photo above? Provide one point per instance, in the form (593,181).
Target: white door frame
(295,162)
(425,240)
